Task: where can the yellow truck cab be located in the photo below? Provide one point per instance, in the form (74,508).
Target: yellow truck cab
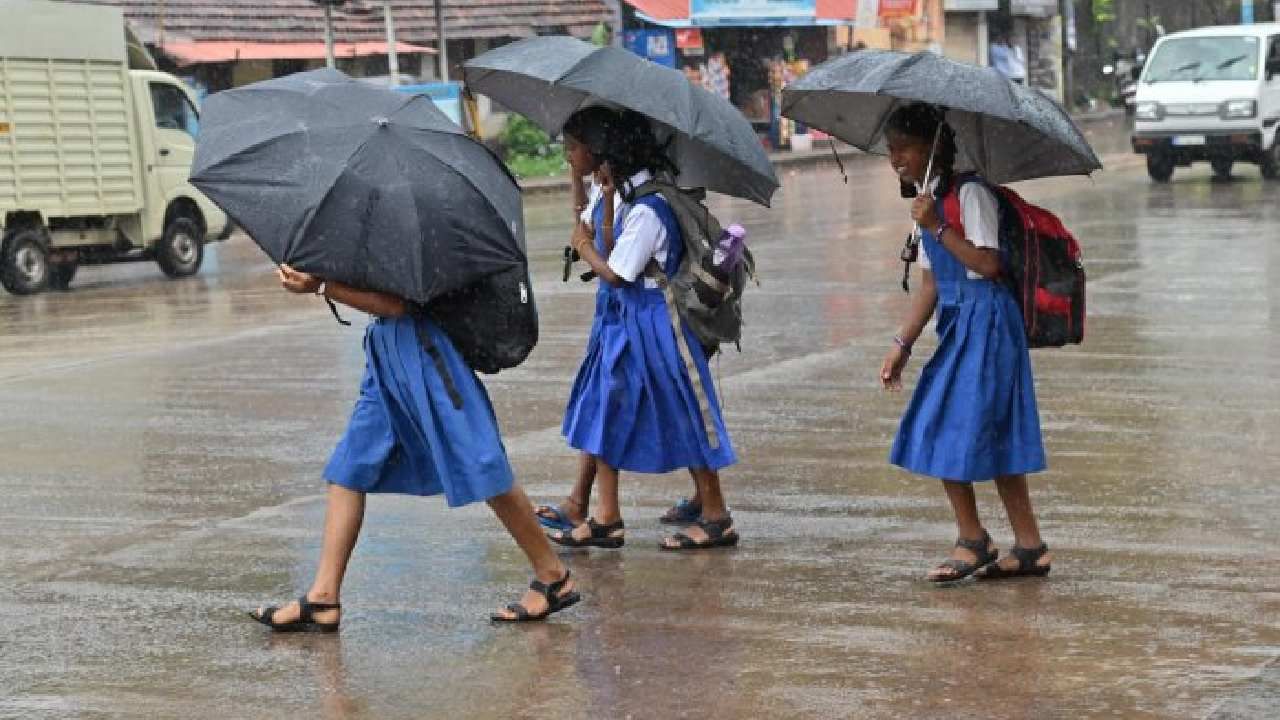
(95,150)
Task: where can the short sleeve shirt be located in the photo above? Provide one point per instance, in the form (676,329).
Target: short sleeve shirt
(981,217)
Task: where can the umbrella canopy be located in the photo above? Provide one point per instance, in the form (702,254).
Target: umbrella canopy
(1005,131)
(358,184)
(547,79)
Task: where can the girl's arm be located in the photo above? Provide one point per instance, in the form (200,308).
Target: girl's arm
(585,244)
(984,261)
(369,301)
(607,192)
(922,306)
(579,195)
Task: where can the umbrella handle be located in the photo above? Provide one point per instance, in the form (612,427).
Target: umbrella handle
(928,172)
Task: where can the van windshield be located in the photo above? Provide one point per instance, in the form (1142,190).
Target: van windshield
(1198,59)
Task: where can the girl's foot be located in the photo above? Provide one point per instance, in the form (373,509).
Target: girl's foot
(567,515)
(703,535)
(301,615)
(966,558)
(592,534)
(1021,562)
(540,601)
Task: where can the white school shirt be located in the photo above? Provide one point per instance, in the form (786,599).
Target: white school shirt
(643,236)
(980,214)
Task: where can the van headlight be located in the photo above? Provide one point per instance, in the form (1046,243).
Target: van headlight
(1147,110)
(1240,109)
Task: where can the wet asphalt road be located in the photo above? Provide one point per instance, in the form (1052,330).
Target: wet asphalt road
(161,443)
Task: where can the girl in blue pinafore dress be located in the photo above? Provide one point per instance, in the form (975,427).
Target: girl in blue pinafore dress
(973,416)
(422,425)
(633,405)
(586,139)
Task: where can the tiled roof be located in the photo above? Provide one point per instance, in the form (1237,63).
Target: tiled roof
(357,21)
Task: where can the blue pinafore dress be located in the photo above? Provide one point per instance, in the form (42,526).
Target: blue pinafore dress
(406,435)
(973,416)
(632,404)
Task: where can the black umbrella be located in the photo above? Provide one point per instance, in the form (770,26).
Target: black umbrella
(547,79)
(359,184)
(1006,131)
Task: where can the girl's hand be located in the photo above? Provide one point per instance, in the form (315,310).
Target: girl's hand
(582,237)
(297,282)
(924,212)
(891,370)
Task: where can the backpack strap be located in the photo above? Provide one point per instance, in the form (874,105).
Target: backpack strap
(952,212)
(654,272)
(437,359)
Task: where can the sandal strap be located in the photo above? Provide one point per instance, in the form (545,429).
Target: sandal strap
(715,529)
(604,531)
(1028,557)
(978,546)
(307,609)
(550,591)
(520,611)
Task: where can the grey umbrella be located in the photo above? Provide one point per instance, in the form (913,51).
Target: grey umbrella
(1006,131)
(359,184)
(547,79)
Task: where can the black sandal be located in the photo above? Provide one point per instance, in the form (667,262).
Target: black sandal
(306,621)
(555,602)
(963,568)
(1027,565)
(720,533)
(602,536)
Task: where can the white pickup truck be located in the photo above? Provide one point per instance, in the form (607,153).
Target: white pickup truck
(95,150)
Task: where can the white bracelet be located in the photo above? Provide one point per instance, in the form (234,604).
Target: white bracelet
(321,288)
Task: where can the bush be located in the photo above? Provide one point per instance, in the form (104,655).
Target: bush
(530,151)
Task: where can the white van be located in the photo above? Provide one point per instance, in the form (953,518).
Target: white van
(1211,94)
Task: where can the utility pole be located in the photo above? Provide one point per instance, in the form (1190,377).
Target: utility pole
(442,43)
(393,60)
(1067,14)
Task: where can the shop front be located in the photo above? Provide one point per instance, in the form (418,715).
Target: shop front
(742,50)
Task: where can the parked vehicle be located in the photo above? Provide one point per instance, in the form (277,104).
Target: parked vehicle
(1211,95)
(95,150)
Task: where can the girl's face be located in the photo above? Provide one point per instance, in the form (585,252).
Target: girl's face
(909,157)
(580,158)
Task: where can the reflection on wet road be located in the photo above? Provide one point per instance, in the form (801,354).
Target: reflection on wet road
(160,446)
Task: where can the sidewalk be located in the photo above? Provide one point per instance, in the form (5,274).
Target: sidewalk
(821,153)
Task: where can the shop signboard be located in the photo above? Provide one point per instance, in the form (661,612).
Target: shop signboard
(895,9)
(658,45)
(971,5)
(752,12)
(1034,8)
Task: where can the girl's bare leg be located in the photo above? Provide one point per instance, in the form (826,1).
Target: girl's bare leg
(343,516)
(964,503)
(516,513)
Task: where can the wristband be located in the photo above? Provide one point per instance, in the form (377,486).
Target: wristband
(321,288)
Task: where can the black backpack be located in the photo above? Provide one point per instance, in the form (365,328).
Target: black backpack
(493,323)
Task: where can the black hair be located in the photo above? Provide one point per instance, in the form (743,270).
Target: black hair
(922,121)
(632,147)
(593,127)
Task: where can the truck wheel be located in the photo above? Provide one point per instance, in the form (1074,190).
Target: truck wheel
(61,275)
(24,266)
(1160,167)
(181,248)
(1271,161)
(1222,168)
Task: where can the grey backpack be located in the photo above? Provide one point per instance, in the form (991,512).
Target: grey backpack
(707,295)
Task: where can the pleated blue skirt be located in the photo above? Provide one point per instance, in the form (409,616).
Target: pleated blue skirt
(973,416)
(405,435)
(632,403)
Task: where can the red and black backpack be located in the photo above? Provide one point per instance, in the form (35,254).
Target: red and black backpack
(1041,264)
